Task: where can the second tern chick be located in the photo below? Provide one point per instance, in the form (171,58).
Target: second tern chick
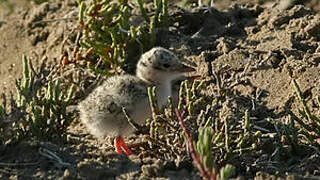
(102,112)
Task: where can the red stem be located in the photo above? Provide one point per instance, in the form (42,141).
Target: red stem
(196,158)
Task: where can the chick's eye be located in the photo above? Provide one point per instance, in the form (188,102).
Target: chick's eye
(166,65)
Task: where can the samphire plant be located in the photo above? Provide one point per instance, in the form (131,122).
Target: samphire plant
(40,109)
(108,32)
(309,122)
(180,133)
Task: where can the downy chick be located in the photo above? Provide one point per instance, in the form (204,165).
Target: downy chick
(102,112)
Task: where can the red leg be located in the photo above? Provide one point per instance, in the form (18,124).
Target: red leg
(117,145)
(121,145)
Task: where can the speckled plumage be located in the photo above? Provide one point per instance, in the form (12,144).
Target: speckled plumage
(101,111)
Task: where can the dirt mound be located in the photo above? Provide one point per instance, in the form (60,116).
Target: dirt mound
(268,46)
(41,32)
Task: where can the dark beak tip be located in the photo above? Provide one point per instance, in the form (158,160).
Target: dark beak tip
(187,69)
(191,70)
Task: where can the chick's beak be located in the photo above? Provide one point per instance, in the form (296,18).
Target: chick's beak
(187,69)
(188,66)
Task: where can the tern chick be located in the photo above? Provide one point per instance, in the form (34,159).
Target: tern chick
(101,111)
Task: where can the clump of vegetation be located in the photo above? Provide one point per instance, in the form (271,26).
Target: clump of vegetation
(202,154)
(108,32)
(8,4)
(2,124)
(40,109)
(212,140)
(39,1)
(297,136)
(310,123)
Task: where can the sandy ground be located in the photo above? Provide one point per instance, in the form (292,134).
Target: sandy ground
(259,49)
